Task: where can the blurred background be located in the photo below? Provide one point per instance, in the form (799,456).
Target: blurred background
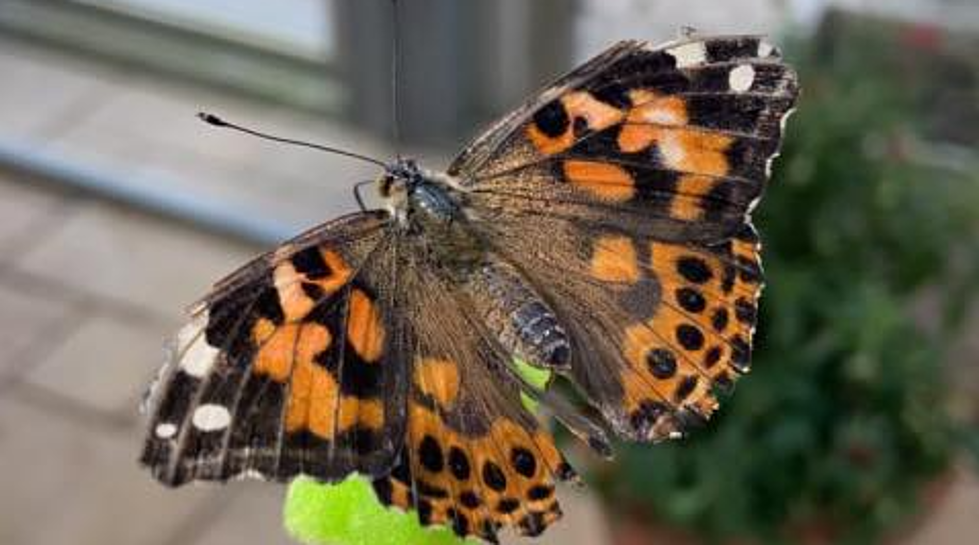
(858,423)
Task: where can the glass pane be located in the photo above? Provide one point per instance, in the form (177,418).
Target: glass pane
(301,25)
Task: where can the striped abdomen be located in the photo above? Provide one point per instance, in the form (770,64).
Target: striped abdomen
(521,319)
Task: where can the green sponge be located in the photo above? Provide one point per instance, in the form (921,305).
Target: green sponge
(349,513)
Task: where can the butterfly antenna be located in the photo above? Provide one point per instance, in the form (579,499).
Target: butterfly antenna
(216,121)
(395,48)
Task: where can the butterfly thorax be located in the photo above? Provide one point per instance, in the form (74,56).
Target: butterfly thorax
(429,210)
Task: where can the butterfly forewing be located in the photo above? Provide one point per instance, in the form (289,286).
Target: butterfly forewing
(672,142)
(290,366)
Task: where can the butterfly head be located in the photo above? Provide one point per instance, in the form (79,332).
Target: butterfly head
(408,189)
(399,178)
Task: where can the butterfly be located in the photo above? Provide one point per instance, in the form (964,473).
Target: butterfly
(601,231)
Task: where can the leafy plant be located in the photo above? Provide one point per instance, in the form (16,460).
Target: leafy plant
(842,420)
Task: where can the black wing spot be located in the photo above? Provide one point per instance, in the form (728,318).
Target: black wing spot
(686,387)
(309,262)
(720,319)
(745,311)
(469,499)
(740,354)
(458,463)
(430,454)
(615,95)
(540,492)
(523,461)
(661,362)
(493,476)
(552,119)
(712,357)
(691,300)
(689,337)
(694,269)
(507,505)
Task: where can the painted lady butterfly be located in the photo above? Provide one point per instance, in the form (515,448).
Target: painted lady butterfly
(601,231)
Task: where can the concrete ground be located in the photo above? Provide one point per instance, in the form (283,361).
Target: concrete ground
(89,289)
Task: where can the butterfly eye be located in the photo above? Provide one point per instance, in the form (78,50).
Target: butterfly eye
(385,184)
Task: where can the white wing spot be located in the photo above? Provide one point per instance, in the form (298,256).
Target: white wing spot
(662,116)
(198,356)
(765,49)
(165,430)
(211,417)
(251,473)
(741,78)
(672,151)
(689,54)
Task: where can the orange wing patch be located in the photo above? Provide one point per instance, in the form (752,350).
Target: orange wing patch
(695,151)
(596,114)
(439,379)
(691,188)
(365,329)
(614,259)
(662,120)
(606,181)
(650,114)
(262,331)
(314,403)
(296,303)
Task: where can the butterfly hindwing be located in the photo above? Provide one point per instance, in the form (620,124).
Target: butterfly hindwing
(657,327)
(623,191)
(474,458)
(292,365)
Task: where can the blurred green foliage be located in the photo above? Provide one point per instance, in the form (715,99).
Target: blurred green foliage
(842,420)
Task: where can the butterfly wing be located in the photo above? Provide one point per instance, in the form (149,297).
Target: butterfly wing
(673,141)
(345,350)
(292,365)
(474,458)
(623,191)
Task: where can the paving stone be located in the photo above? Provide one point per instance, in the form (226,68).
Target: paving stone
(151,136)
(54,89)
(104,364)
(22,209)
(133,125)
(27,318)
(582,523)
(954,516)
(254,516)
(124,255)
(66,484)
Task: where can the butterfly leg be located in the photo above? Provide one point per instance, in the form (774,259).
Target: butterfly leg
(360,200)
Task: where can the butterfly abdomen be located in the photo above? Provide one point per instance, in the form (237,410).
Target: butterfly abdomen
(522,320)
(524,323)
